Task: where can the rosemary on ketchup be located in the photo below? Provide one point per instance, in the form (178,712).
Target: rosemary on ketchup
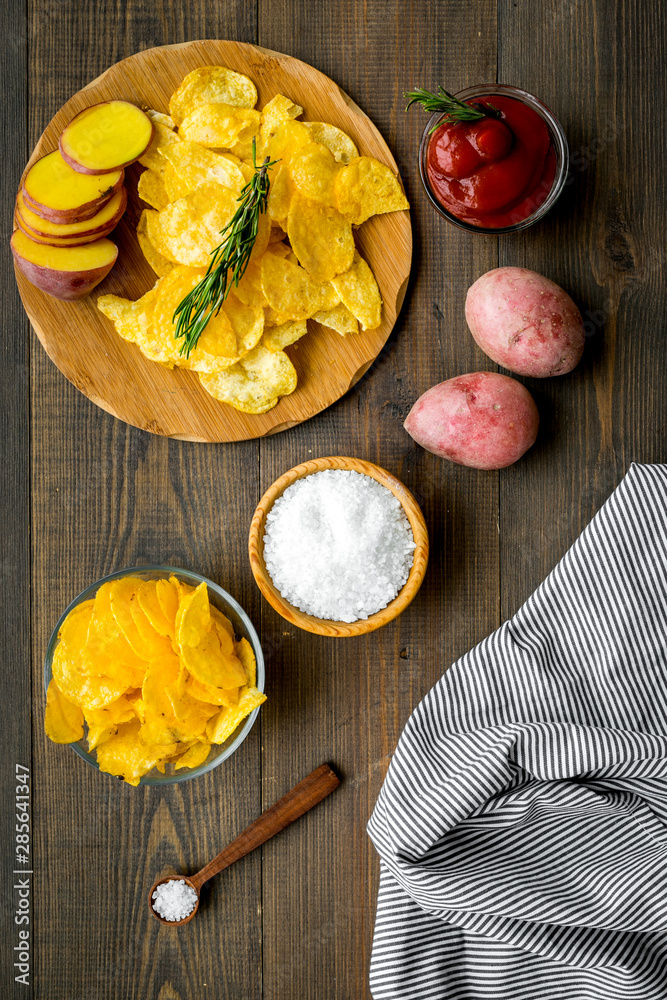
(490,161)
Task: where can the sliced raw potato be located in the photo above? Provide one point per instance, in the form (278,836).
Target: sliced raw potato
(313,171)
(290,290)
(196,165)
(211,85)
(106,219)
(219,125)
(321,238)
(64,272)
(57,241)
(189,230)
(339,319)
(334,139)
(163,136)
(366,187)
(255,384)
(151,189)
(55,191)
(63,721)
(106,137)
(278,337)
(160,264)
(358,290)
(131,319)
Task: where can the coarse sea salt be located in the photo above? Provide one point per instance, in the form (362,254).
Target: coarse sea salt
(338,545)
(174,900)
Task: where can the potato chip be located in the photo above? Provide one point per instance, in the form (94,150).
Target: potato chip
(189,230)
(69,671)
(280,193)
(358,291)
(174,186)
(196,165)
(195,620)
(321,239)
(163,136)
(211,85)
(160,264)
(121,596)
(276,236)
(151,189)
(313,170)
(279,337)
(222,725)
(278,110)
(367,187)
(213,659)
(255,384)
(103,722)
(220,125)
(149,603)
(194,756)
(334,139)
(283,141)
(131,319)
(211,695)
(154,644)
(127,755)
(158,118)
(74,630)
(63,721)
(223,621)
(106,651)
(167,595)
(249,289)
(291,291)
(246,655)
(339,319)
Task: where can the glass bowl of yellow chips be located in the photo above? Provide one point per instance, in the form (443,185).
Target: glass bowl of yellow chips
(153,674)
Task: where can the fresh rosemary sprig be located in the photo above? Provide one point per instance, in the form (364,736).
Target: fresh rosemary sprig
(452,109)
(228,261)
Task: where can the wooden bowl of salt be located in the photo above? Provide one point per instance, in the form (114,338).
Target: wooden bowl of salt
(329,626)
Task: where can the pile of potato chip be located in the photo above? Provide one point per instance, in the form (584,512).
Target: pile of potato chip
(304,263)
(156,673)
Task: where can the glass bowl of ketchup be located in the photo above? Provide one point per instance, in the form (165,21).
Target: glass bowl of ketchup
(500,173)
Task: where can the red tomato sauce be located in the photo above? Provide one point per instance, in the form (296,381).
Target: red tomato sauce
(496,171)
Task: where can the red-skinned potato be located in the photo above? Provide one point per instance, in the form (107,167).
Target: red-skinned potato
(525,322)
(106,137)
(483,420)
(64,272)
(56,192)
(43,231)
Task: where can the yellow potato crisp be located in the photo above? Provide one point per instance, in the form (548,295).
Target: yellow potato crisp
(367,187)
(358,291)
(211,85)
(321,238)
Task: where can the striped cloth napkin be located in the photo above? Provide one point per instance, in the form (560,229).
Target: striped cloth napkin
(522,826)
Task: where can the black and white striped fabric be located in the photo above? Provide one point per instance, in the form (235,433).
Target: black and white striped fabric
(522,826)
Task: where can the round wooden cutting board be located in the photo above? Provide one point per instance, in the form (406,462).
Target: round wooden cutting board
(113,373)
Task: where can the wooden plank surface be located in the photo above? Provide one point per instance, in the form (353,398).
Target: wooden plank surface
(295,919)
(15,681)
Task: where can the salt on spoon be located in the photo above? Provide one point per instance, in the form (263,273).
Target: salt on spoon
(174,899)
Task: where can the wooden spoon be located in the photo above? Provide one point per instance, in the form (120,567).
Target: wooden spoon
(298,801)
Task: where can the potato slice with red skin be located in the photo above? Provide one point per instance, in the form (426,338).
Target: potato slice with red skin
(106,219)
(56,241)
(64,272)
(106,137)
(55,191)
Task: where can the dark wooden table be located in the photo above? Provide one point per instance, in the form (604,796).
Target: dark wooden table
(83,494)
